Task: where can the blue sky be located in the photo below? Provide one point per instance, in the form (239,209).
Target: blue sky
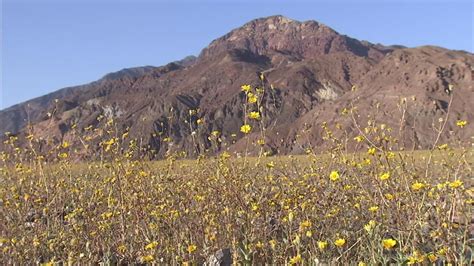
(47,45)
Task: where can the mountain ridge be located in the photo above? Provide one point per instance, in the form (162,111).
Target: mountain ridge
(311,67)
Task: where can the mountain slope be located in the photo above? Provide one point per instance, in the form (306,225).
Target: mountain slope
(311,67)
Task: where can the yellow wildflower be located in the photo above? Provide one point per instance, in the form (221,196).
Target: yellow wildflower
(443,146)
(417,186)
(385,176)
(251,98)
(148,258)
(334,176)
(151,245)
(225,155)
(191,248)
(432,257)
(254,115)
(389,196)
(272,243)
(340,242)
(245,88)
(389,243)
(254,207)
(440,186)
(461,123)
(373,208)
(415,258)
(322,245)
(296,259)
(109,142)
(297,240)
(106,215)
(245,128)
(371,151)
(122,249)
(305,224)
(370,226)
(441,251)
(456,184)
(271,164)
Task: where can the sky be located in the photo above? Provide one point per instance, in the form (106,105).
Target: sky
(51,44)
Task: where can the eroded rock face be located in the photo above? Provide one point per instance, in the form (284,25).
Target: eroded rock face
(311,67)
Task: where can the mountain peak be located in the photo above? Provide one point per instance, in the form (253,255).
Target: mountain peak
(275,20)
(279,34)
(280,20)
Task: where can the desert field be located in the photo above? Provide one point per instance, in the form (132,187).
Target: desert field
(373,206)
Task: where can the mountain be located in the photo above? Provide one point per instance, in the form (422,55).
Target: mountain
(315,73)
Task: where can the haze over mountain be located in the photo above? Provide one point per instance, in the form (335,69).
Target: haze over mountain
(312,68)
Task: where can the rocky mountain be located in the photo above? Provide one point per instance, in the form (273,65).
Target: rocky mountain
(315,73)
